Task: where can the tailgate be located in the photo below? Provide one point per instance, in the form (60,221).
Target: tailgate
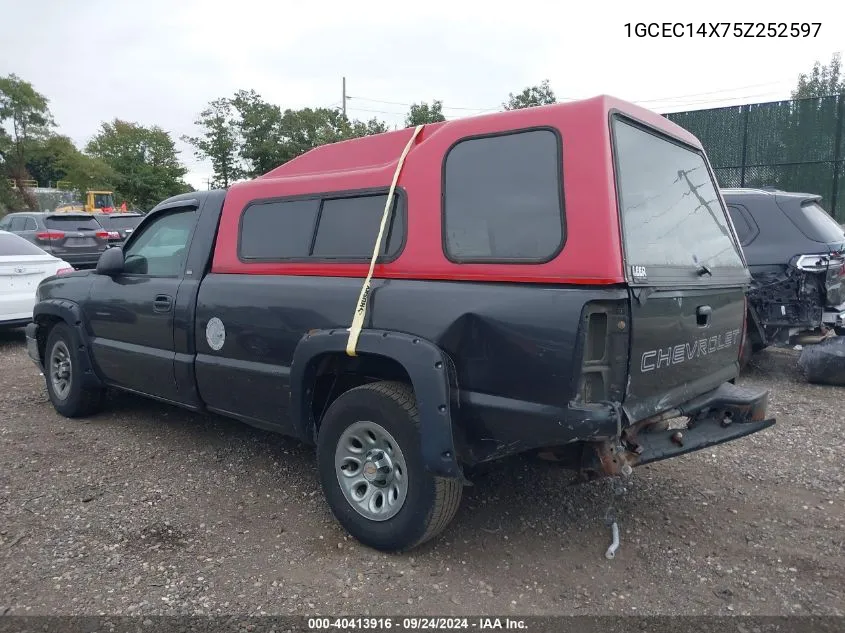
(683,344)
(70,234)
(686,274)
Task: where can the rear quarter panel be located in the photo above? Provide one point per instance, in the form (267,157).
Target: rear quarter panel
(515,347)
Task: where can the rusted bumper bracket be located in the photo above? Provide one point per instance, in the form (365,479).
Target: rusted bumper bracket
(724,414)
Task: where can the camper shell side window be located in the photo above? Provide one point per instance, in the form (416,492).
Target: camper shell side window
(503,198)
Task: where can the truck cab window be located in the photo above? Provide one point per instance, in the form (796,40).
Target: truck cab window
(160,248)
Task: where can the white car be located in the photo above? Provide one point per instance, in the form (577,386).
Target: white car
(22,267)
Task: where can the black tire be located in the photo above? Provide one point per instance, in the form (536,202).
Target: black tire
(78,400)
(430,502)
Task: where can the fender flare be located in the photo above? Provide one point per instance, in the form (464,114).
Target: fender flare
(71,314)
(433,378)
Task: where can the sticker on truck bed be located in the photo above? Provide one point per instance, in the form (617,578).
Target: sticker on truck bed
(683,352)
(639,273)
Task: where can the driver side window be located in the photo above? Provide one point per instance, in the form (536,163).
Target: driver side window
(159,250)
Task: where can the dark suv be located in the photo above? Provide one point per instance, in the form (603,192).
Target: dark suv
(76,238)
(118,225)
(794,251)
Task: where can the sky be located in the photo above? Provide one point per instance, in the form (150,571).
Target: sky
(159,62)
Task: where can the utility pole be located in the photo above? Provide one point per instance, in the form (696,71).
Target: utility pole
(344,96)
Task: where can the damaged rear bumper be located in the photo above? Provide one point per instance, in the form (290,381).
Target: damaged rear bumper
(724,414)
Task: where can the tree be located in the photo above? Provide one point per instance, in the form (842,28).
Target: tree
(270,137)
(531,96)
(305,129)
(47,159)
(367,128)
(55,158)
(823,81)
(85,172)
(144,160)
(25,112)
(422,113)
(9,200)
(219,141)
(259,129)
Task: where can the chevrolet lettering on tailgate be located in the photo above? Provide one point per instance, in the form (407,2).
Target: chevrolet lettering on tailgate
(668,356)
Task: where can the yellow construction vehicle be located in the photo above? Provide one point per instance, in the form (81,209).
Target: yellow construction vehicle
(94,201)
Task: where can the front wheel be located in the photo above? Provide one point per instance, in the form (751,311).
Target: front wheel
(372,473)
(64,379)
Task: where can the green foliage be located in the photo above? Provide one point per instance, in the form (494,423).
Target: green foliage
(144,160)
(85,172)
(259,124)
(305,129)
(47,159)
(367,128)
(219,141)
(531,96)
(24,117)
(270,137)
(422,113)
(822,81)
(9,198)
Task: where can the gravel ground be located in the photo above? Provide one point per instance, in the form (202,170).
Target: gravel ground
(146,509)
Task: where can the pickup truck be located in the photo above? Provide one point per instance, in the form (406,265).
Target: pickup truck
(560,280)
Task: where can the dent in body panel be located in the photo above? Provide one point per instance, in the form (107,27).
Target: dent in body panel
(514,347)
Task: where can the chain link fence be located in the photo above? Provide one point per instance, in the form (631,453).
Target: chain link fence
(793,145)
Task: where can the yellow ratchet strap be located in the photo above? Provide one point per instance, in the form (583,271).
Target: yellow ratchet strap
(361,310)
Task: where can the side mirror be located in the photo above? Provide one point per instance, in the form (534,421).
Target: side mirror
(110,262)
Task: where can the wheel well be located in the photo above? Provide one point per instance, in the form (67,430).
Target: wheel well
(49,321)
(337,373)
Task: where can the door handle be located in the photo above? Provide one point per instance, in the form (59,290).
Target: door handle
(702,315)
(162,303)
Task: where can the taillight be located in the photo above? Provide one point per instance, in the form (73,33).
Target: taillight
(103,234)
(834,262)
(65,271)
(50,235)
(813,263)
(837,260)
(114,235)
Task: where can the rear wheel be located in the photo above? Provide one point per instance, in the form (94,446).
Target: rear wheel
(64,379)
(371,469)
